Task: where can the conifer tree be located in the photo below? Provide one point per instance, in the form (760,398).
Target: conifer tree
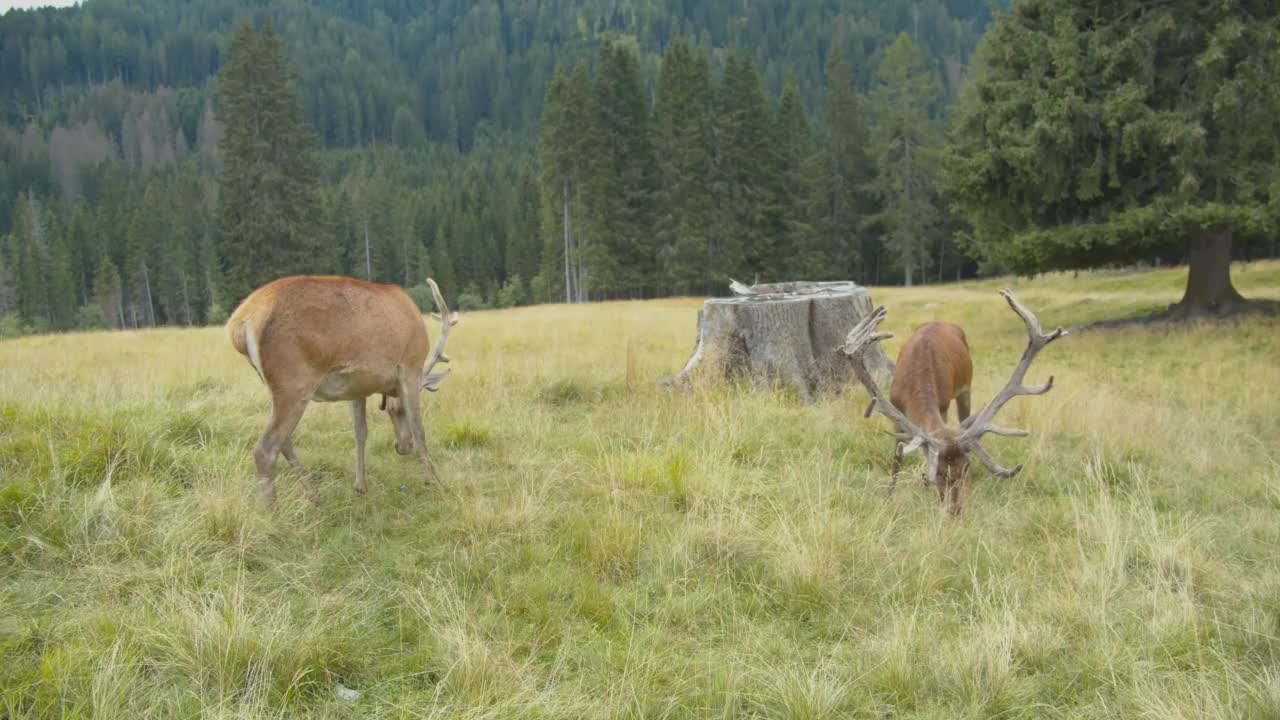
(57,276)
(8,292)
(906,145)
(106,292)
(558,183)
(843,170)
(1096,133)
(684,217)
(268,203)
(27,250)
(748,165)
(802,256)
(623,177)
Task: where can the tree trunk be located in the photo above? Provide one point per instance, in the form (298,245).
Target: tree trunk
(1209,289)
(568,280)
(151,306)
(783,333)
(368,264)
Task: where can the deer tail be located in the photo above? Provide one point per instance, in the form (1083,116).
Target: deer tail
(244,338)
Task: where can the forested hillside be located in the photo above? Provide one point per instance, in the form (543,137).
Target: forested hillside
(430,120)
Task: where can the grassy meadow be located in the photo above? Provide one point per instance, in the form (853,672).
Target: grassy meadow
(602,548)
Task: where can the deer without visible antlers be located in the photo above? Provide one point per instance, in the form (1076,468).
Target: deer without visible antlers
(329,338)
(934,367)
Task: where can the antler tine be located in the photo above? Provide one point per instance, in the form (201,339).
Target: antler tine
(431,381)
(980,423)
(993,467)
(856,343)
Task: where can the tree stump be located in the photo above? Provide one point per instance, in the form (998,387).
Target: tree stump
(786,333)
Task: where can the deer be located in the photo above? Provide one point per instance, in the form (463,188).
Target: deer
(328,338)
(934,367)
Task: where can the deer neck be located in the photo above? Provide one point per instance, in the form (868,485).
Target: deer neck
(922,408)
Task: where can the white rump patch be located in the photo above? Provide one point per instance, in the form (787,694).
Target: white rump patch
(251,344)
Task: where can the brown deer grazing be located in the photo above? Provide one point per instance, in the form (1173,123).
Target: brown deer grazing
(933,368)
(329,338)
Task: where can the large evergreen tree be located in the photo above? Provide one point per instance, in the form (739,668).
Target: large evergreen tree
(1109,132)
(792,221)
(843,170)
(906,146)
(623,179)
(268,204)
(683,120)
(747,172)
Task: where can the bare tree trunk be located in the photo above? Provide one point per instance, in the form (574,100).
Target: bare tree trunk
(186,299)
(151,306)
(568,244)
(368,265)
(1209,288)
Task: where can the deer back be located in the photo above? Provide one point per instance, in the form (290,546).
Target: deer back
(933,367)
(319,323)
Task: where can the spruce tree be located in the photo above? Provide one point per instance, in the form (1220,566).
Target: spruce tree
(684,217)
(8,291)
(1096,133)
(557,186)
(747,168)
(802,256)
(58,278)
(906,145)
(842,172)
(106,291)
(268,202)
(27,249)
(623,176)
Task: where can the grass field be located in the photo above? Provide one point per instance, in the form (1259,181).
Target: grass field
(602,548)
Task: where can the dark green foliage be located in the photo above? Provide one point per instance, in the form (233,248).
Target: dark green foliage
(1098,133)
(791,218)
(673,162)
(749,164)
(842,171)
(621,179)
(106,292)
(268,204)
(906,146)
(369,72)
(684,137)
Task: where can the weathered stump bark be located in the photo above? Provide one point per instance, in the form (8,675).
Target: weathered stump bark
(787,333)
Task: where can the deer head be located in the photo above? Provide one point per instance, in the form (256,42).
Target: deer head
(948,449)
(395,408)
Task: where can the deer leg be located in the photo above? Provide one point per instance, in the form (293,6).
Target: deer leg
(411,396)
(286,449)
(954,502)
(361,424)
(962,405)
(308,484)
(897,465)
(286,411)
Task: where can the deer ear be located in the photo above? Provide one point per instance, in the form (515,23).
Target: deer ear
(383,404)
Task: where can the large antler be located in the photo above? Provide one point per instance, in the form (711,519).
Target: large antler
(980,424)
(431,381)
(858,340)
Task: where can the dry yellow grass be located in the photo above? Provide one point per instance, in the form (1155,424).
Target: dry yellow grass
(600,547)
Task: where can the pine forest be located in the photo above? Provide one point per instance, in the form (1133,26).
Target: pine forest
(160,160)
